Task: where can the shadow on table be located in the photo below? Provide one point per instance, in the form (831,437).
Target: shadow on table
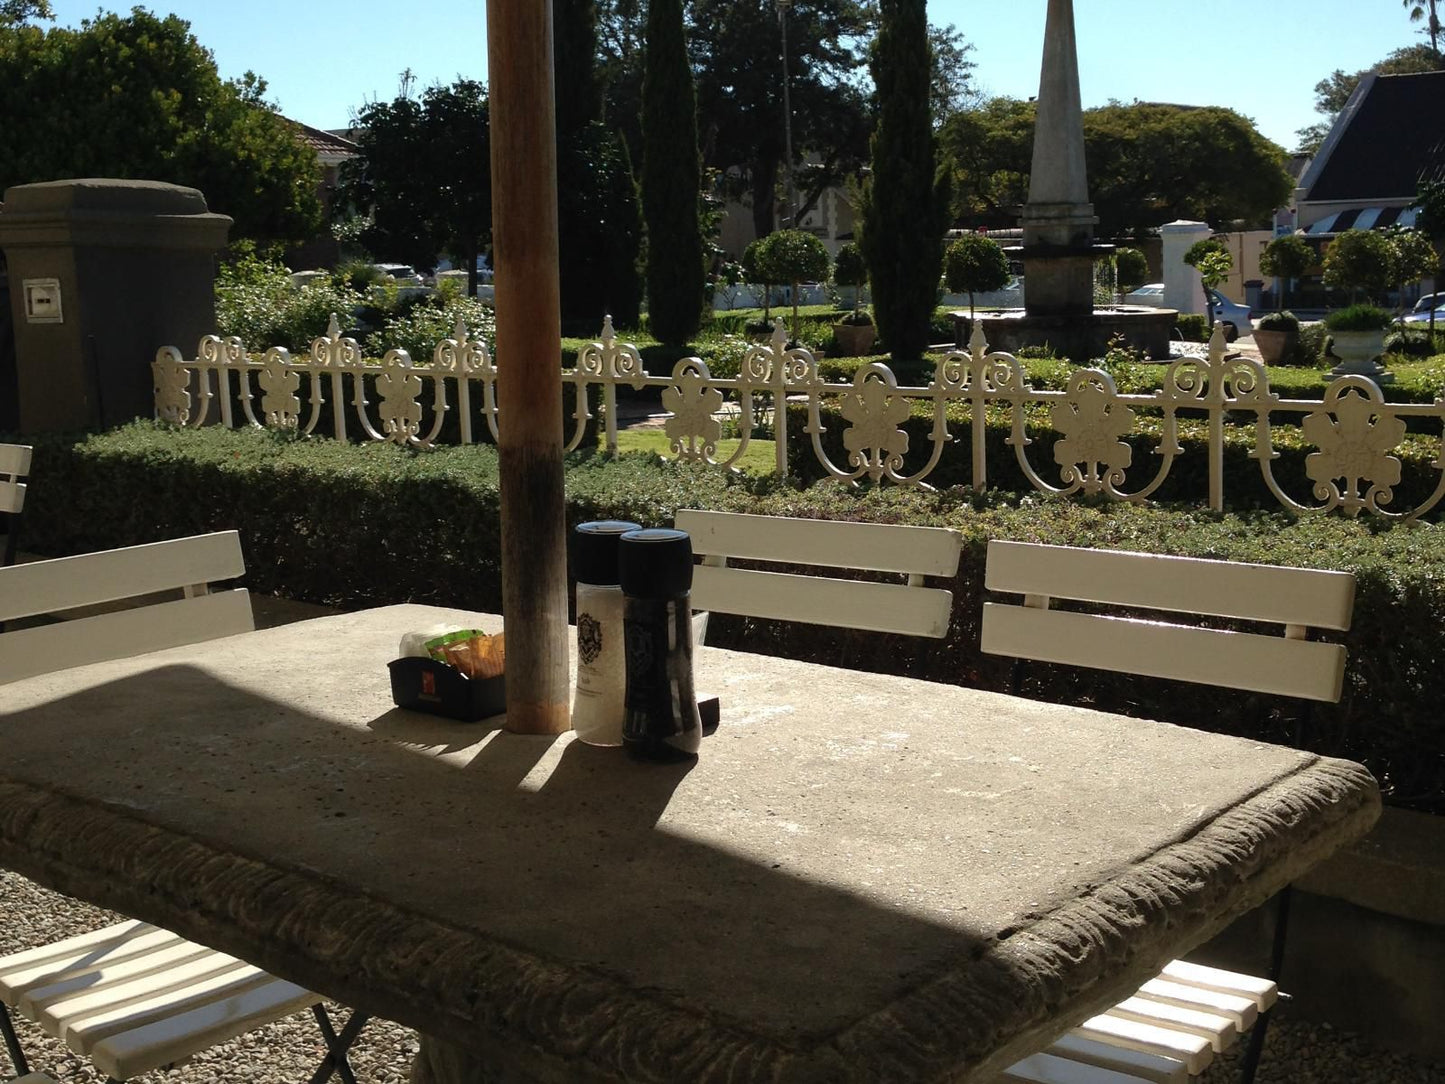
(587,864)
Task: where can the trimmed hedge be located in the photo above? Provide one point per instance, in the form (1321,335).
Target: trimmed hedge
(371,525)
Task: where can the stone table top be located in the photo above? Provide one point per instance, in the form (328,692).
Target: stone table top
(862,877)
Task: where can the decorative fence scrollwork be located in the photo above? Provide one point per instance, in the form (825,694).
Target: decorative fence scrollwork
(1356,436)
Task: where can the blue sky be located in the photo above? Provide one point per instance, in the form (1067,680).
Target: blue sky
(324,59)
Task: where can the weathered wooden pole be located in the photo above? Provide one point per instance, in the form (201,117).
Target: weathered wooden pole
(529,359)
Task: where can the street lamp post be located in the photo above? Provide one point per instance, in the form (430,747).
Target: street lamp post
(790,194)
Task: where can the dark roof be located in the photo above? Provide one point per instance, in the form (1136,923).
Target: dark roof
(1393,137)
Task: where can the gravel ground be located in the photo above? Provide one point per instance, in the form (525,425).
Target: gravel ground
(288,1051)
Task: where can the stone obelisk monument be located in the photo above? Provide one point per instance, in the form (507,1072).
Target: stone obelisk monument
(1058,220)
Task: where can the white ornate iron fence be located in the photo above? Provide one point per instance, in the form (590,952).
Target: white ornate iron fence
(1353,432)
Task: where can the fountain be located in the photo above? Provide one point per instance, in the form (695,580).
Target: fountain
(1059,251)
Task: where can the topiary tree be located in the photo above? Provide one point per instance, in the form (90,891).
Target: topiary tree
(850,269)
(1212,260)
(794,256)
(1131,269)
(1360,260)
(671,180)
(1415,257)
(756,273)
(975,263)
(1286,258)
(905,202)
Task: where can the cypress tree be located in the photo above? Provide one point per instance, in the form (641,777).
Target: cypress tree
(671,180)
(906,201)
(599,223)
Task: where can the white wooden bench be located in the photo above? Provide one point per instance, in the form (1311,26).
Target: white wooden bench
(14,468)
(907,606)
(133,997)
(1171,1027)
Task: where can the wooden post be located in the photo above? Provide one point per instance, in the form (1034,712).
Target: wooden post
(529,360)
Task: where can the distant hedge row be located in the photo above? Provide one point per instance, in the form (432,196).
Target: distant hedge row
(360,526)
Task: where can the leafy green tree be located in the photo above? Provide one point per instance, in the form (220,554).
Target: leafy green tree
(1360,260)
(735,45)
(1131,269)
(851,270)
(138,97)
(1427,12)
(1148,164)
(794,256)
(671,180)
(424,177)
(1414,256)
(975,263)
(905,204)
(1430,204)
(1212,260)
(19,11)
(1334,90)
(1286,258)
(756,272)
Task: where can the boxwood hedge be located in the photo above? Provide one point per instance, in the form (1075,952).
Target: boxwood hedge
(357,526)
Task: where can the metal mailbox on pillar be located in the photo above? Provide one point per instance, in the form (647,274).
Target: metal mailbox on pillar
(102,273)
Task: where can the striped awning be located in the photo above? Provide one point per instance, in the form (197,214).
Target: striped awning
(1361,218)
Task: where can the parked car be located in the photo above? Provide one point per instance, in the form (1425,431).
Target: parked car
(1428,302)
(1236,318)
(1422,316)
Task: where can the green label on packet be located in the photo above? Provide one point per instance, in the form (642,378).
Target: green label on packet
(436,646)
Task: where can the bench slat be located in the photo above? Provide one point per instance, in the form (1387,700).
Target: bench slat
(26,652)
(1232,660)
(45,587)
(1194,1051)
(1290,596)
(1051,1069)
(880,547)
(1263,992)
(1136,1064)
(820,600)
(12,496)
(1219,1030)
(15,460)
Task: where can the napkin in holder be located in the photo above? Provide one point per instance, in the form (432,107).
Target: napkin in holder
(420,682)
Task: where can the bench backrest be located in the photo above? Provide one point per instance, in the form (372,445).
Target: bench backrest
(904,607)
(186,565)
(14,466)
(1296,599)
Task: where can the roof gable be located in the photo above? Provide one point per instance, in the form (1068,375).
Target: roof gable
(1385,143)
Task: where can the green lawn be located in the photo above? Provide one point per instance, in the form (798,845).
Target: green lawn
(759,458)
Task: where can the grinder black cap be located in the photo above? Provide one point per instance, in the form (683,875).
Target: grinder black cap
(594,550)
(655,562)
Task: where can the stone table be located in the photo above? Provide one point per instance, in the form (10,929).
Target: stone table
(862,878)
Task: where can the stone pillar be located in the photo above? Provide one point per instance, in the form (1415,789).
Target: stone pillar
(1182,289)
(102,274)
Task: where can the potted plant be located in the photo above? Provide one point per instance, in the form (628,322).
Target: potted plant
(1276,334)
(855,333)
(1358,334)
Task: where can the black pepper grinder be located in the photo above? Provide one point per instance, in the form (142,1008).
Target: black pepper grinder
(661,719)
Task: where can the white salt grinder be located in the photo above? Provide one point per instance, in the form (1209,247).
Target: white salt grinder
(598,702)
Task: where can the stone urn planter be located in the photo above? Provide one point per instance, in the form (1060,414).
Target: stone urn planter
(855,340)
(1358,351)
(1274,346)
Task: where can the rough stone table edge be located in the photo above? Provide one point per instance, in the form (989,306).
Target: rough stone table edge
(556,1022)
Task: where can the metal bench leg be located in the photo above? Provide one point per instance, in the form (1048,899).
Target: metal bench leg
(12,1043)
(337,1045)
(1276,966)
